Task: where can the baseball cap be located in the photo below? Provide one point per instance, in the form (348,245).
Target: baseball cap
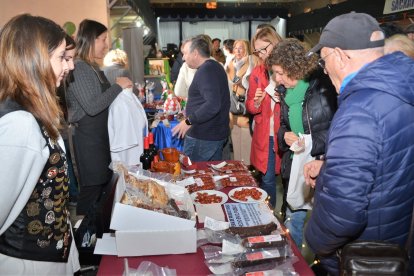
(350,31)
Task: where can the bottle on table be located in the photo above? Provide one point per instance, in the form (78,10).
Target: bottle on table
(152,148)
(146,155)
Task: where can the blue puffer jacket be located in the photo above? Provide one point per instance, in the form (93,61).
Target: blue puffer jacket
(365,189)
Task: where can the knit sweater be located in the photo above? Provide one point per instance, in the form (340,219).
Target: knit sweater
(209,103)
(84,95)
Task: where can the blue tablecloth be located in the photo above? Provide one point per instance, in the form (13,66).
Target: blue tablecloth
(163,137)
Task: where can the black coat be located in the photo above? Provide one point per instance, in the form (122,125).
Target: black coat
(319,106)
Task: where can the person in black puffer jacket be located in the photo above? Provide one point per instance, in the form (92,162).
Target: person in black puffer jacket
(308,103)
(319,106)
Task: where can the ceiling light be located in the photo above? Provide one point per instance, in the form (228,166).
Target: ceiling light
(211,5)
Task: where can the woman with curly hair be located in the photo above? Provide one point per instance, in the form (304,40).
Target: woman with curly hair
(307,108)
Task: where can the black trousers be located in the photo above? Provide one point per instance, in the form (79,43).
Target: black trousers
(88,196)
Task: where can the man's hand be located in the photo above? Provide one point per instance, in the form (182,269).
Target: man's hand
(290,138)
(311,171)
(180,129)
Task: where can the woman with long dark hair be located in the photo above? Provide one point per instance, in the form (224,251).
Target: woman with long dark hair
(89,96)
(35,231)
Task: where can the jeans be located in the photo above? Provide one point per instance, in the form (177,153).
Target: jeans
(295,221)
(203,150)
(269,178)
(227,149)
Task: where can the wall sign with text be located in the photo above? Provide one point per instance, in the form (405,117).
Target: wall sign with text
(392,6)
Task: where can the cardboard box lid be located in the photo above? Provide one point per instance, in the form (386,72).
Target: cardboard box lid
(126,217)
(139,243)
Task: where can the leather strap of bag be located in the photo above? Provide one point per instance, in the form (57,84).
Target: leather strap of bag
(71,132)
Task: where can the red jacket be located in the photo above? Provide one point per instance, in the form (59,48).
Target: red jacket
(260,142)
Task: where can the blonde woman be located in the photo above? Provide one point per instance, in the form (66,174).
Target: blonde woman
(116,65)
(401,43)
(238,71)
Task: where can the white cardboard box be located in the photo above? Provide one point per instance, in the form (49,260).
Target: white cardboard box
(140,232)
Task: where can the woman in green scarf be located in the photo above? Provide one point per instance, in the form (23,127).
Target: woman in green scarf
(307,107)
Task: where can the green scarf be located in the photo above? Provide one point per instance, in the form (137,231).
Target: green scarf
(294,99)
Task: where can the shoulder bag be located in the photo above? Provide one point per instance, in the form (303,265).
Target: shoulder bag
(376,257)
(237,104)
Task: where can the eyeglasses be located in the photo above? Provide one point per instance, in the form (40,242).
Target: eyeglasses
(262,50)
(321,61)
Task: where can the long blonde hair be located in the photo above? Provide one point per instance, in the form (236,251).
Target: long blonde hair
(401,43)
(26,74)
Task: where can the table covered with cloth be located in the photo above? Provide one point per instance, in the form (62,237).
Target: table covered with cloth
(163,137)
(185,264)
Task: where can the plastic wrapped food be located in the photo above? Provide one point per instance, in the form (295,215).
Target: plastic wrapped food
(202,182)
(257,230)
(259,257)
(234,166)
(237,179)
(264,241)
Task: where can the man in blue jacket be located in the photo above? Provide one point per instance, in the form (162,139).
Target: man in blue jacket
(206,126)
(365,187)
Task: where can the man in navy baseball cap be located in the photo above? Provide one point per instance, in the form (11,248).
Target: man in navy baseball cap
(368,166)
(351,31)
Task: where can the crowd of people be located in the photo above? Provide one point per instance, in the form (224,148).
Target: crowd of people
(334,121)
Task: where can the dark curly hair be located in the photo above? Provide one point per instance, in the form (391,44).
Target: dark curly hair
(291,55)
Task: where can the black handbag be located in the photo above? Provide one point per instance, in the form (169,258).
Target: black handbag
(375,257)
(237,104)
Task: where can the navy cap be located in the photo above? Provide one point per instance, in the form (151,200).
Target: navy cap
(350,31)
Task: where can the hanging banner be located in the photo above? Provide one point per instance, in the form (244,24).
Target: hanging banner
(392,6)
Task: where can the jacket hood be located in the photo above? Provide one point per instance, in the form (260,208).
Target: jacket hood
(392,74)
